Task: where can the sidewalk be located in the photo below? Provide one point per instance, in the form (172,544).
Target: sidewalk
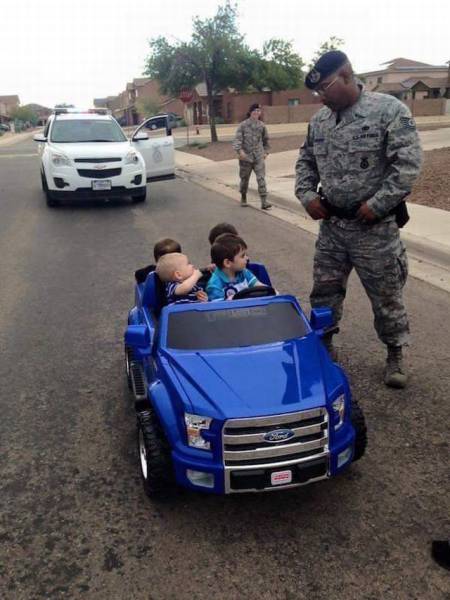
(9,139)
(427,234)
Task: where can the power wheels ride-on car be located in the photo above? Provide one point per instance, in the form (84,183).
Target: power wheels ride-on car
(237,396)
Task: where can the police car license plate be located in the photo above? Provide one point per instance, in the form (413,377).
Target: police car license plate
(101,184)
(281,477)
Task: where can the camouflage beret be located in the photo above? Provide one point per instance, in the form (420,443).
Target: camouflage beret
(327,64)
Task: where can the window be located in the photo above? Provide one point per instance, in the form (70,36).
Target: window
(293,101)
(379,80)
(156,127)
(86,130)
(234,327)
(47,127)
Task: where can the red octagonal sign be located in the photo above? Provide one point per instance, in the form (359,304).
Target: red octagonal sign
(186,95)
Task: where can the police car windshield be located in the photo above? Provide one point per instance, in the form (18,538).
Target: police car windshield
(86,130)
(234,327)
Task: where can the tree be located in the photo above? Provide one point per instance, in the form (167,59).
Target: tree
(333,43)
(24,114)
(281,66)
(218,56)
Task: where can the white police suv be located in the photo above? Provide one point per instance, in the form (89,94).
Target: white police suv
(87,155)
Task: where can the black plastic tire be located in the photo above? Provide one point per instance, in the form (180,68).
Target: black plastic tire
(128,357)
(359,424)
(159,479)
(140,198)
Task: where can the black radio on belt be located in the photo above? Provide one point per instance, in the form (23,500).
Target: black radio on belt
(400,211)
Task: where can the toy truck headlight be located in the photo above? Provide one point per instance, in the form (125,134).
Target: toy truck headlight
(195,424)
(339,411)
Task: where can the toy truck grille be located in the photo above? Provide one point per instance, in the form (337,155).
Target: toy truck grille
(270,443)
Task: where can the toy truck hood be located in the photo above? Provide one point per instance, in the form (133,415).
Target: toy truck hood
(266,380)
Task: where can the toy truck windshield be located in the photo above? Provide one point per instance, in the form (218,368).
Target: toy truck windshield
(234,327)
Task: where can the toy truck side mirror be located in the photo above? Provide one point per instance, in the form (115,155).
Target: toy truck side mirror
(138,338)
(321,319)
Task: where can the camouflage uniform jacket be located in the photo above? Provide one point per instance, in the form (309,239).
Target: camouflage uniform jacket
(252,138)
(372,154)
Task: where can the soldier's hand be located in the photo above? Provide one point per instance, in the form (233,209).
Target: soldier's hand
(242,155)
(366,214)
(316,210)
(266,154)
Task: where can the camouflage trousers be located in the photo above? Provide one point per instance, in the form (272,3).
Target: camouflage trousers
(245,170)
(379,258)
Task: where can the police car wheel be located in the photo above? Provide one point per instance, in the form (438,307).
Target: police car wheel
(154,456)
(141,198)
(44,183)
(51,201)
(359,424)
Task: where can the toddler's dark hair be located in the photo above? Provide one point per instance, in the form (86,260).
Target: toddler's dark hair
(226,247)
(219,229)
(165,246)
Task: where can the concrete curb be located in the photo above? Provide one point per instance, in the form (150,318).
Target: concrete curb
(429,261)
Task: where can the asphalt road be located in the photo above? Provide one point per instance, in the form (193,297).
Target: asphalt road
(74,520)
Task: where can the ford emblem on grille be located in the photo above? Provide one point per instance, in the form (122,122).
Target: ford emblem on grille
(278,435)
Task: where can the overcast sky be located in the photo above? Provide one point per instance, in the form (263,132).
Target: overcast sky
(55,51)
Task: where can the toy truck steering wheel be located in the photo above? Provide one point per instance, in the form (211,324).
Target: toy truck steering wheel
(257,291)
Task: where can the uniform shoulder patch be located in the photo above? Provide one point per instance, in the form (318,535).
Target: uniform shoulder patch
(407,123)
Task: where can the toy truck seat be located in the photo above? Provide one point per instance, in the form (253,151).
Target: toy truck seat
(260,272)
(153,296)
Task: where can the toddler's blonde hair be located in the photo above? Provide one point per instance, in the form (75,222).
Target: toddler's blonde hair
(168,264)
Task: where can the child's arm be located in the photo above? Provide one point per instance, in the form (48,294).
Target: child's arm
(186,286)
(214,291)
(251,279)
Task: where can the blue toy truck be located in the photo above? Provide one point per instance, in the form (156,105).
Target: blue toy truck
(237,396)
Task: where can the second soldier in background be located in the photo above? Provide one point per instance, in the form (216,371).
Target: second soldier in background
(252,146)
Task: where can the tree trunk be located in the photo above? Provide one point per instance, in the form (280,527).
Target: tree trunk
(212,116)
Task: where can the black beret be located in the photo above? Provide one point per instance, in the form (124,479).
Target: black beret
(254,107)
(327,64)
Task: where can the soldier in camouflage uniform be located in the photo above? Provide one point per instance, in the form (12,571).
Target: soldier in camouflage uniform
(364,150)
(252,145)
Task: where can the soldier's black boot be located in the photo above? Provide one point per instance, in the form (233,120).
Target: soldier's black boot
(264,204)
(394,372)
(327,340)
(244,200)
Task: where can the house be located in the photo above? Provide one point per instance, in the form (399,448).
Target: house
(7,106)
(231,106)
(127,107)
(410,80)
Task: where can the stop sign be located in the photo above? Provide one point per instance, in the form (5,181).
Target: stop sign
(186,95)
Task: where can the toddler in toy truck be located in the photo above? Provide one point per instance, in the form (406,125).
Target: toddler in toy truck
(229,254)
(164,246)
(180,278)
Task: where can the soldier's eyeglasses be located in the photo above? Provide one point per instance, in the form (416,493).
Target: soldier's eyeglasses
(323,90)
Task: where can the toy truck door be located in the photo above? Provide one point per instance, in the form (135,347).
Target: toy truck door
(153,139)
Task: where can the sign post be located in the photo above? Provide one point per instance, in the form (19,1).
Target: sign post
(186,96)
